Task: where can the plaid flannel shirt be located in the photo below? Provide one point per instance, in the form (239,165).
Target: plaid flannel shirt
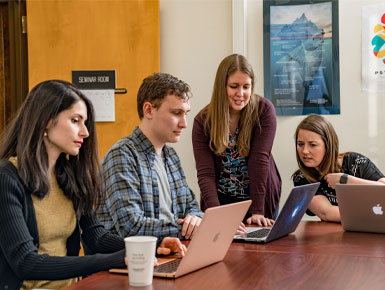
(132,204)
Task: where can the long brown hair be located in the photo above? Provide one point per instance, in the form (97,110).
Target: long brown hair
(318,124)
(79,176)
(217,111)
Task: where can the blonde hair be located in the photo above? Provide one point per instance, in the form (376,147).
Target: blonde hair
(329,164)
(217,111)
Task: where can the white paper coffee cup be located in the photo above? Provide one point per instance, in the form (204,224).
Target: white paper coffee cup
(140,252)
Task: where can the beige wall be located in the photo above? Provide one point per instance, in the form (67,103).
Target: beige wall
(197,34)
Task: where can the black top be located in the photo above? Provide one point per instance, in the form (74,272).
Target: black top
(19,240)
(353,164)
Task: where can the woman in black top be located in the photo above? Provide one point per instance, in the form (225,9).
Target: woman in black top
(49,154)
(318,160)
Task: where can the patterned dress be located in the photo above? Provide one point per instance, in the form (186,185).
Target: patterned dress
(234,180)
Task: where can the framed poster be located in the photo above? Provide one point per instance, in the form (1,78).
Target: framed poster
(301,61)
(373,48)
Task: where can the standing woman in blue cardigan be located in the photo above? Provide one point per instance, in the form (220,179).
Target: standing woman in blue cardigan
(50,186)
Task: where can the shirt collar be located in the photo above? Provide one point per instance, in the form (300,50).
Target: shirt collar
(145,143)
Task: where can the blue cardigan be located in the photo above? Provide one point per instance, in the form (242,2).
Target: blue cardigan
(19,240)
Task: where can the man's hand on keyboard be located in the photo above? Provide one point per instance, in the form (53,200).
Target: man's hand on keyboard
(169,245)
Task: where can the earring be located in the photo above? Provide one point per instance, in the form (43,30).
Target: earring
(45,134)
(67,156)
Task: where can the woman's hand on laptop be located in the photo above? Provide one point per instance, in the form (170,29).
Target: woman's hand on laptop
(332,179)
(260,220)
(190,223)
(169,245)
(241,229)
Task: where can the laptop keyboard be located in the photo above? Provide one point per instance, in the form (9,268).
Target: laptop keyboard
(258,234)
(169,267)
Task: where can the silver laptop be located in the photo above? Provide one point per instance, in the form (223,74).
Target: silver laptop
(361,207)
(288,219)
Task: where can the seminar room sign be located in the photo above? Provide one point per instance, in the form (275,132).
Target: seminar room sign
(99,87)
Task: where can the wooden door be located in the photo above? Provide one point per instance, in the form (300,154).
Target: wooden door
(66,35)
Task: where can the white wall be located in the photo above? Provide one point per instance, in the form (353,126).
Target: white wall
(197,34)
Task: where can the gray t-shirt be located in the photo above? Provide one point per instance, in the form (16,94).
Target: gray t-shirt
(165,202)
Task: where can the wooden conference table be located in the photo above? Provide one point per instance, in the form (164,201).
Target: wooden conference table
(318,255)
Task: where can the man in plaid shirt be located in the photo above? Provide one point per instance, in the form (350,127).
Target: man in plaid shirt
(147,193)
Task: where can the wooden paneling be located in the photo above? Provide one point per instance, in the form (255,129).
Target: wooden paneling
(18,59)
(10,68)
(66,35)
(3,21)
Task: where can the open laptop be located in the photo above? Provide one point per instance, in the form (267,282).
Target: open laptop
(361,207)
(210,242)
(288,219)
